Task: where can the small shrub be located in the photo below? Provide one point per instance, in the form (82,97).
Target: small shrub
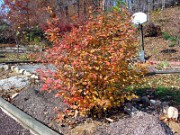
(172,45)
(166,36)
(34,35)
(93,63)
(174,40)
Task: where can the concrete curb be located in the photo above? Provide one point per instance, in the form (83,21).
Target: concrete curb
(25,120)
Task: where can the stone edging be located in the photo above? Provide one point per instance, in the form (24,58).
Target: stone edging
(20,71)
(25,120)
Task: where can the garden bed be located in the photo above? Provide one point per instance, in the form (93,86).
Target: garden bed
(44,107)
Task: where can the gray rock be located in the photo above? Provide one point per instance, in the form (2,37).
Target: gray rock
(27,73)
(5,67)
(21,71)
(165,104)
(12,68)
(145,100)
(14,82)
(34,76)
(130,109)
(1,67)
(156,103)
(172,113)
(15,69)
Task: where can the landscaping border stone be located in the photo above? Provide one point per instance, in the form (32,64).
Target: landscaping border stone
(18,70)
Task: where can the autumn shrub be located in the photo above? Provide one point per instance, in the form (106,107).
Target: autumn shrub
(93,63)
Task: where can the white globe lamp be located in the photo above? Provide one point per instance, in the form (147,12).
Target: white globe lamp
(138,19)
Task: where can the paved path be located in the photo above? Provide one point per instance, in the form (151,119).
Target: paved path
(33,67)
(9,126)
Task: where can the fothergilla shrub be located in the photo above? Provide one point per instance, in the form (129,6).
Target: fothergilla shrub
(92,63)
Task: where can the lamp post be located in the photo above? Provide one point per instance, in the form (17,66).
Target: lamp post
(139,19)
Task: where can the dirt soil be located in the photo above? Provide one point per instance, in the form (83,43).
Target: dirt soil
(157,48)
(40,105)
(146,124)
(44,107)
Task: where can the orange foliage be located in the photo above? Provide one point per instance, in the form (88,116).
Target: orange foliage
(92,63)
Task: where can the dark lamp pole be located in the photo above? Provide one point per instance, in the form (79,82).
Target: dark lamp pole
(139,19)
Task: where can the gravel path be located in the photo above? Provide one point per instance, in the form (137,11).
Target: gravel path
(9,126)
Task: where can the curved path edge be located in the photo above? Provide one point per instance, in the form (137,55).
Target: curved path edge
(26,120)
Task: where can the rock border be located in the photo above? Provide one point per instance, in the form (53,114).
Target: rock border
(18,70)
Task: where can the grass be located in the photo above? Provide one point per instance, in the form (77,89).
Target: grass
(162,93)
(174,39)
(13,57)
(166,93)
(162,64)
(162,87)
(167,36)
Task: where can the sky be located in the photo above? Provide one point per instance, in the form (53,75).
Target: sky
(1,1)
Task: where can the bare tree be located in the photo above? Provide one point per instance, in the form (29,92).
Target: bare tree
(163,4)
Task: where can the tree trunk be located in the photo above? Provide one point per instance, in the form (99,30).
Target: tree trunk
(85,8)
(103,4)
(163,4)
(78,8)
(66,11)
(28,23)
